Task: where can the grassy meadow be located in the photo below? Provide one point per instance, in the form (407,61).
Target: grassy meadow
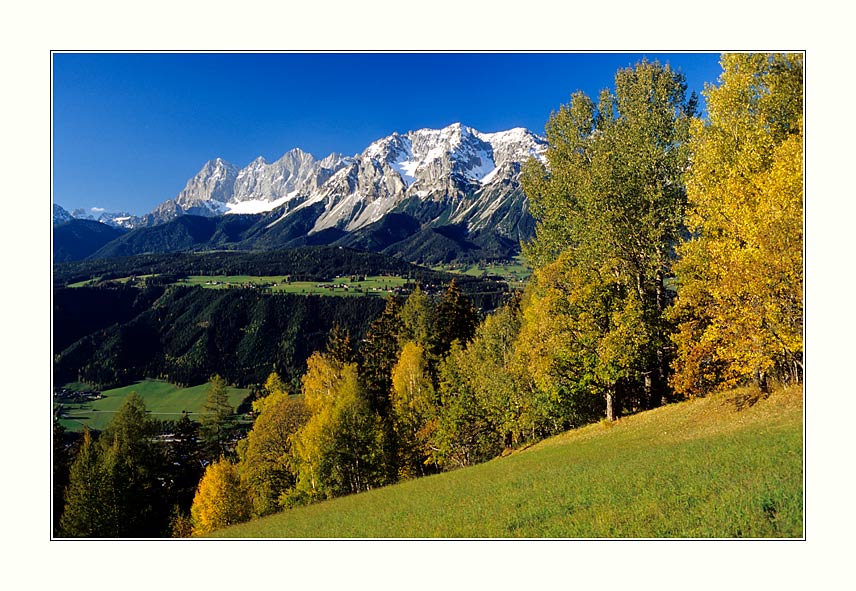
(378,285)
(163,400)
(514,272)
(726,466)
(342,286)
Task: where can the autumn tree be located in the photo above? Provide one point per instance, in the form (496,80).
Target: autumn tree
(464,434)
(220,499)
(412,409)
(340,449)
(580,345)
(265,455)
(609,206)
(417,318)
(499,379)
(740,308)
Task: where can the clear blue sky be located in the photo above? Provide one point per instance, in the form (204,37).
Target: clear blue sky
(130,129)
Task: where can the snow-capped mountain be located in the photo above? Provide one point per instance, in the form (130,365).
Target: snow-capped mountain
(121,219)
(439,176)
(451,175)
(115,219)
(60,215)
(222,188)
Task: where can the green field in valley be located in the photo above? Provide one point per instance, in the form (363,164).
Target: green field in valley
(163,400)
(514,272)
(136,279)
(340,286)
(716,467)
(377,285)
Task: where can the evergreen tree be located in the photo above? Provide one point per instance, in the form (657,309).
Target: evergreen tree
(61,466)
(86,512)
(185,461)
(117,485)
(339,345)
(136,471)
(456,320)
(215,420)
(379,353)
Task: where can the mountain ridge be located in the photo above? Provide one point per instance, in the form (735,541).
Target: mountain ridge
(456,176)
(431,164)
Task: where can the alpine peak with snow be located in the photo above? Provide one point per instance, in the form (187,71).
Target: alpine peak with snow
(97,214)
(454,175)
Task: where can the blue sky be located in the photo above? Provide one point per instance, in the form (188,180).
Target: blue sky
(130,129)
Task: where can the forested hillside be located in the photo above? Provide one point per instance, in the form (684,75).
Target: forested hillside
(311,263)
(77,239)
(188,334)
(114,331)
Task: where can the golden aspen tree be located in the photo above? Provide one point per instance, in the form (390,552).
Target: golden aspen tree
(340,448)
(740,279)
(220,499)
(265,454)
(412,408)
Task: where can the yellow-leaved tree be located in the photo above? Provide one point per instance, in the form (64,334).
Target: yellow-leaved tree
(412,409)
(339,450)
(265,454)
(740,277)
(220,499)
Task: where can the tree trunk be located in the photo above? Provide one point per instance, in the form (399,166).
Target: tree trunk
(661,369)
(649,391)
(761,381)
(610,403)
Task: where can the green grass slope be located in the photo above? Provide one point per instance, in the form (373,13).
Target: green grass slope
(714,467)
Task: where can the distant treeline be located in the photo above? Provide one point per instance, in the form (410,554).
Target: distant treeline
(312,263)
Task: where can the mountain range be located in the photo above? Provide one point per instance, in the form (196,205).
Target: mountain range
(427,195)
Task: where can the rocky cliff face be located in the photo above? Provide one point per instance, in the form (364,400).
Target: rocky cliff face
(454,175)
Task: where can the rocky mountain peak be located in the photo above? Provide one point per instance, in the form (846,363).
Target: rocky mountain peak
(447,167)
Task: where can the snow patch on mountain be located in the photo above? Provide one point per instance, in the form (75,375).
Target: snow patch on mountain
(406,167)
(451,168)
(252,206)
